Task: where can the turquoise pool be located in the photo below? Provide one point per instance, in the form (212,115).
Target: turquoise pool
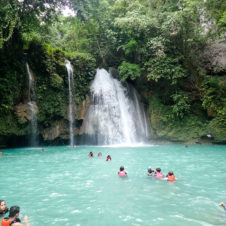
(62,186)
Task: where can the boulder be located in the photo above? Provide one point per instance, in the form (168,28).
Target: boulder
(214,57)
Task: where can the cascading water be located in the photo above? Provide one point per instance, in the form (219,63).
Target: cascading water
(33,109)
(115,115)
(71,100)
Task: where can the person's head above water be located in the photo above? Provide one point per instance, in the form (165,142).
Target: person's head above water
(13,211)
(150,170)
(158,170)
(3,206)
(170,173)
(91,154)
(122,168)
(108,158)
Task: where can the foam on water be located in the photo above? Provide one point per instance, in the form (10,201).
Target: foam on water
(62,186)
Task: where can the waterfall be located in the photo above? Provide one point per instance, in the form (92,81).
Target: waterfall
(71,100)
(33,108)
(115,115)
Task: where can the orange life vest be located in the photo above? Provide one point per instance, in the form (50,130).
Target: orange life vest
(6,222)
(172,177)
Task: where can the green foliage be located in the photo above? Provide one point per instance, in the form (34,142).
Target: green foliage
(162,39)
(128,70)
(217,10)
(8,20)
(48,65)
(164,68)
(213,96)
(130,47)
(57,81)
(168,127)
(181,104)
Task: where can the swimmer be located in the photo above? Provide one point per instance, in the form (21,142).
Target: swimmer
(90,154)
(170,176)
(99,154)
(42,149)
(209,135)
(122,172)
(108,158)
(13,219)
(186,145)
(158,173)
(223,205)
(1,153)
(3,208)
(150,172)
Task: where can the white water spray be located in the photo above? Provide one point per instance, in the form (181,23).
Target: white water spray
(114,116)
(71,100)
(32,105)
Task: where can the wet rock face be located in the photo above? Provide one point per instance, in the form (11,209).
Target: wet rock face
(60,129)
(214,58)
(24,113)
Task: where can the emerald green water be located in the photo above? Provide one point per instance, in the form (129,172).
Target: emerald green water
(62,186)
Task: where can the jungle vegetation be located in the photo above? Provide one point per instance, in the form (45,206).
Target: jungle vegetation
(155,44)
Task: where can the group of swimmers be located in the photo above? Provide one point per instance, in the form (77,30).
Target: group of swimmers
(158,174)
(13,218)
(150,172)
(99,155)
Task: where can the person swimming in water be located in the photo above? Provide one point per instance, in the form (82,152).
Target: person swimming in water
(13,219)
(122,172)
(170,176)
(150,172)
(223,205)
(3,208)
(158,173)
(99,154)
(90,154)
(108,158)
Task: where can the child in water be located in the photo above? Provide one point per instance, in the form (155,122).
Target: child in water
(150,172)
(108,158)
(158,173)
(122,172)
(90,154)
(223,205)
(170,176)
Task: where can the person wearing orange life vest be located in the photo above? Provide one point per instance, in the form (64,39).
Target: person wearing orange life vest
(122,172)
(170,176)
(13,219)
